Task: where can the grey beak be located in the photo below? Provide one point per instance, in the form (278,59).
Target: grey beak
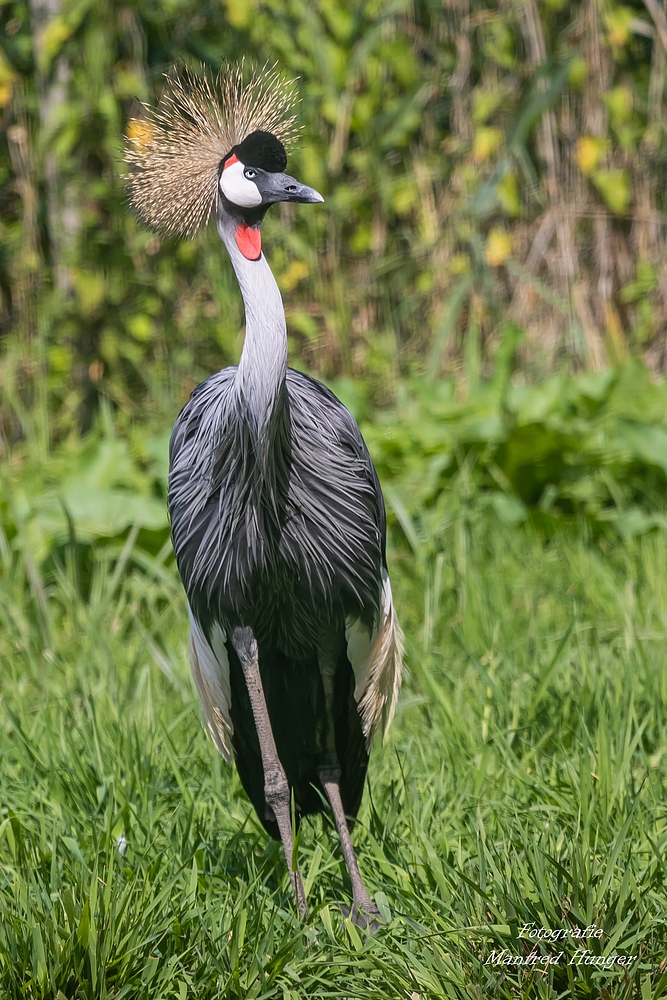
(282,187)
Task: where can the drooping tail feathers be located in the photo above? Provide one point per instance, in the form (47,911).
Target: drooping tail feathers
(377,662)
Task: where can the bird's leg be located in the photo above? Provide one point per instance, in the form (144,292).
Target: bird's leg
(362,901)
(329,775)
(276,788)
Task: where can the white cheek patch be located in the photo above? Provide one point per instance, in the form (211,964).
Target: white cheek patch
(237,188)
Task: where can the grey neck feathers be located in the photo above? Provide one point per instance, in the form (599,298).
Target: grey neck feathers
(263,365)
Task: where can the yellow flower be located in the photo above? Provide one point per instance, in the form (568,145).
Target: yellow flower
(296,272)
(588,153)
(139,132)
(498,247)
(7,77)
(486,142)
(618,27)
(239,12)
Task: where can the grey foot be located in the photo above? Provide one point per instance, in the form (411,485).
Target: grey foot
(367,918)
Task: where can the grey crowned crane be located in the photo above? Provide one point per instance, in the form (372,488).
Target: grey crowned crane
(277,516)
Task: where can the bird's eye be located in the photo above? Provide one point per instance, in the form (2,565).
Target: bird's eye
(249,173)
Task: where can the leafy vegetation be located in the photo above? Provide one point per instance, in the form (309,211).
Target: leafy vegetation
(478,288)
(586,453)
(523,780)
(478,161)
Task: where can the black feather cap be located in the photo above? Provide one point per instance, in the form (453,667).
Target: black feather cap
(263,150)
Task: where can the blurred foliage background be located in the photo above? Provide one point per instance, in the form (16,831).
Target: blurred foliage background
(486,289)
(483,164)
(494,175)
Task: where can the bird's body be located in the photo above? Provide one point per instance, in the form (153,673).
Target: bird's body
(277,515)
(289,540)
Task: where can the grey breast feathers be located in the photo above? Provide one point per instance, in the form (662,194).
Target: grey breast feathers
(314,513)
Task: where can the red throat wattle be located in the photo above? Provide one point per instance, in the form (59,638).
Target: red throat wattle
(249,241)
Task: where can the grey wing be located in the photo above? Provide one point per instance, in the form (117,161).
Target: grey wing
(192,451)
(373,635)
(193,446)
(337,509)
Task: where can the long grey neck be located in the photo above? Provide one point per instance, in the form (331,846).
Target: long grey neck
(261,372)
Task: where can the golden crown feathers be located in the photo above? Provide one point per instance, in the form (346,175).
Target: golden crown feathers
(174,152)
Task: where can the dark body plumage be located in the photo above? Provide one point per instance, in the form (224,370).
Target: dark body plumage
(281,528)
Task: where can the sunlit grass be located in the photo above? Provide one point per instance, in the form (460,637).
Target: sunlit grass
(523,781)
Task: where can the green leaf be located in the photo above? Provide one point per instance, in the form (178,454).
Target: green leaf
(614,186)
(54,35)
(83,929)
(507,190)
(39,955)
(73,847)
(509,509)
(646,443)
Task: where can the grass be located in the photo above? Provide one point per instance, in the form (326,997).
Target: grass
(523,781)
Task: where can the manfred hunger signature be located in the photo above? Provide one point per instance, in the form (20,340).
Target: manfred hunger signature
(581,955)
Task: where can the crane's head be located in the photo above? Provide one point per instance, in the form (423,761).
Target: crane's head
(215,143)
(251,179)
